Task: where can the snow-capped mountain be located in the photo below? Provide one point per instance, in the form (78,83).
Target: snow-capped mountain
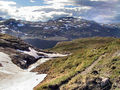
(64,28)
(1,19)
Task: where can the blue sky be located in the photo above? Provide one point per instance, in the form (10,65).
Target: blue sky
(28,2)
(104,11)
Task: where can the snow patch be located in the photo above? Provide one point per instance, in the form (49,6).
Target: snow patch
(2,26)
(20,25)
(14,78)
(22,81)
(53,55)
(3,31)
(32,52)
(6,72)
(42,60)
(46,27)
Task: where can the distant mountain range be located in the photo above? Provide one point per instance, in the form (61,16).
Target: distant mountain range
(62,29)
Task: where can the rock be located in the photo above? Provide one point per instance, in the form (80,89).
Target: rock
(104,81)
(23,60)
(97,84)
(115,60)
(113,67)
(95,72)
(10,45)
(1,65)
(23,64)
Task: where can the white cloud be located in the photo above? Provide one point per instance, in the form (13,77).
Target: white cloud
(105,0)
(59,2)
(58,8)
(30,15)
(7,3)
(7,7)
(32,1)
(105,18)
(43,13)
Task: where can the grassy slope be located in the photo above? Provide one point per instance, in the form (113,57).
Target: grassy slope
(84,53)
(5,36)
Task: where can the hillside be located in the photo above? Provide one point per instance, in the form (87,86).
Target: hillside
(92,64)
(17,59)
(21,53)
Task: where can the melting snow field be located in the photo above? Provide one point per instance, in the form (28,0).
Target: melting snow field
(14,78)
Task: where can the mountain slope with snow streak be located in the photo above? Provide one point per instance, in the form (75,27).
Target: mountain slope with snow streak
(14,78)
(17,59)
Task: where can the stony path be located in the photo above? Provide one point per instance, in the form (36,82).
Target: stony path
(88,69)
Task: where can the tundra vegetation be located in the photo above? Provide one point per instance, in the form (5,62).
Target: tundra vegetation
(66,73)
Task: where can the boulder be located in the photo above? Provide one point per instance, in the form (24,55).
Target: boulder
(1,65)
(23,60)
(97,84)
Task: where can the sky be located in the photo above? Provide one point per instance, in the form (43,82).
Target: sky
(103,11)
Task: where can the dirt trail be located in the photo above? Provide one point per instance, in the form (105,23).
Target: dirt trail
(88,69)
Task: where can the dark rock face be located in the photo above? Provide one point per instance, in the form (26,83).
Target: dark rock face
(95,72)
(12,42)
(116,85)
(1,65)
(11,46)
(23,61)
(97,84)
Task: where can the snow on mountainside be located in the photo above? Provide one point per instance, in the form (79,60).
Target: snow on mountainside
(13,47)
(21,79)
(64,28)
(17,59)
(1,18)
(53,31)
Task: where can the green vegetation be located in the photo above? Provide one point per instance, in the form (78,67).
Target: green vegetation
(5,36)
(65,71)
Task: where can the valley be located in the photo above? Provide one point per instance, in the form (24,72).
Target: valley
(59,44)
(57,59)
(42,44)
(53,31)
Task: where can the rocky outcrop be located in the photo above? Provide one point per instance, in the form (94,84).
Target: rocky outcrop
(23,60)
(12,42)
(97,84)
(1,65)
(90,83)
(15,48)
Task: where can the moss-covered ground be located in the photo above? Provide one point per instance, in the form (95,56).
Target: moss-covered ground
(83,52)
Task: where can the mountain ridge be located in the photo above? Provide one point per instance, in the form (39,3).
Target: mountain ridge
(61,29)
